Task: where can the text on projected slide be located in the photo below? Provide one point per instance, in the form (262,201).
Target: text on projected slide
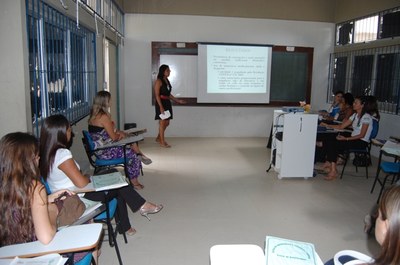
(236,69)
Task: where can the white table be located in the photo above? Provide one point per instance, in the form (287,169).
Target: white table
(241,254)
(70,239)
(390,148)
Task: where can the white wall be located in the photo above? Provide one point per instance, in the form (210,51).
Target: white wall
(141,30)
(14,76)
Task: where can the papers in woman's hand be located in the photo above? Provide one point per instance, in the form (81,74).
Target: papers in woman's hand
(165,115)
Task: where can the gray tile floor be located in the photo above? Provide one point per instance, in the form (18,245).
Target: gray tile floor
(216,191)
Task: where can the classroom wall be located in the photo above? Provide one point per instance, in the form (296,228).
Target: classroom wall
(350,9)
(14,88)
(334,11)
(197,121)
(308,10)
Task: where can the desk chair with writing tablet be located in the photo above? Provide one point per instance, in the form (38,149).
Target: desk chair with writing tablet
(100,163)
(65,241)
(366,152)
(105,217)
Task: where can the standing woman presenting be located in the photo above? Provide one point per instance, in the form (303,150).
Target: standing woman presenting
(162,91)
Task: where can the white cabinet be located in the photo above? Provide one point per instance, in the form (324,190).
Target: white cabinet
(293,144)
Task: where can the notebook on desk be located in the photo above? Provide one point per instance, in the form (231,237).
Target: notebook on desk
(49,259)
(281,251)
(109,181)
(135,131)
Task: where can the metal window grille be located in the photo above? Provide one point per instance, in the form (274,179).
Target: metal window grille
(374,71)
(381,25)
(109,11)
(62,64)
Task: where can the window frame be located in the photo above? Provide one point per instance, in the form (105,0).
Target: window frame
(62,88)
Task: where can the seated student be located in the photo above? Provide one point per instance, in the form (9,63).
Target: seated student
(362,124)
(28,213)
(387,231)
(346,107)
(101,127)
(334,108)
(61,171)
(346,110)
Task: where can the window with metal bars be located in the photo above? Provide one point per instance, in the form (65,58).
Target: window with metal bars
(382,25)
(62,64)
(374,71)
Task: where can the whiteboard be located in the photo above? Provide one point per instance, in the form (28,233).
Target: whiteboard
(183,77)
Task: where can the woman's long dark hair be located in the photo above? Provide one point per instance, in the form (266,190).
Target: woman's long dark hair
(53,136)
(363,101)
(160,75)
(390,210)
(371,107)
(19,177)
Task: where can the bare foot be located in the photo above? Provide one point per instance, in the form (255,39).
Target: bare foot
(327,164)
(331,176)
(131,231)
(136,184)
(165,145)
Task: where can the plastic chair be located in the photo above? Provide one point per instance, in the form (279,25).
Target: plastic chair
(364,151)
(86,260)
(104,217)
(96,161)
(392,169)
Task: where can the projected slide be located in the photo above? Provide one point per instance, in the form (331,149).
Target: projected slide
(232,73)
(236,69)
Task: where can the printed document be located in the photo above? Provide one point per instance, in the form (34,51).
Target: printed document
(280,251)
(165,115)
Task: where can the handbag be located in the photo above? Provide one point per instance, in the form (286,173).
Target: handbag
(70,208)
(358,258)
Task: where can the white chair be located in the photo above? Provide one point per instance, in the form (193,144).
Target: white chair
(240,254)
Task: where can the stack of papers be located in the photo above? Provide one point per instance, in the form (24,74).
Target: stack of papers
(165,115)
(280,251)
(50,259)
(109,181)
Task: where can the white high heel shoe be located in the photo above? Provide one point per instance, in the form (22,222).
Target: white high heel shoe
(145,212)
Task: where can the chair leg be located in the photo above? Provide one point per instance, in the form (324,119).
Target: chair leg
(376,179)
(109,226)
(92,261)
(117,227)
(116,247)
(346,158)
(382,188)
(112,236)
(366,170)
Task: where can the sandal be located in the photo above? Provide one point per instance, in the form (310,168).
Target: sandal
(138,186)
